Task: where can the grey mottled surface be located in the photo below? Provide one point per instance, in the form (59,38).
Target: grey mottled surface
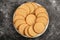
(7,31)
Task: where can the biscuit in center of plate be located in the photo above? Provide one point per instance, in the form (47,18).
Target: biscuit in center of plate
(30,19)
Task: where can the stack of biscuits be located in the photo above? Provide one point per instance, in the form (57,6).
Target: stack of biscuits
(30,19)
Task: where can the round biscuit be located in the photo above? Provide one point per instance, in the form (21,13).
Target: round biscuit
(43,14)
(21,12)
(29,4)
(22,28)
(25,7)
(30,19)
(18,17)
(42,20)
(18,22)
(26,32)
(35,5)
(31,31)
(40,10)
(39,28)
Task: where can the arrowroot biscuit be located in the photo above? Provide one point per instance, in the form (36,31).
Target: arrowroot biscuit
(30,19)
(21,12)
(18,22)
(31,7)
(42,19)
(31,31)
(35,5)
(26,32)
(39,28)
(18,17)
(43,14)
(22,28)
(25,7)
(40,10)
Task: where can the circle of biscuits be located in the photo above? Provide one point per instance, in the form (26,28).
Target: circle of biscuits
(30,19)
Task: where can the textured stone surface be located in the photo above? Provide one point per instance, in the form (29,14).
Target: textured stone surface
(7,31)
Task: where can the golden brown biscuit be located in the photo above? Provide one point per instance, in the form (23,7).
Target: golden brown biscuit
(31,7)
(21,12)
(26,32)
(40,10)
(42,19)
(30,19)
(31,31)
(17,17)
(39,28)
(35,5)
(42,14)
(18,22)
(22,29)
(25,7)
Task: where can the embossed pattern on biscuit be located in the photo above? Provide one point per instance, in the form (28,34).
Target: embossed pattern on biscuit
(40,10)
(31,7)
(18,22)
(35,5)
(25,7)
(42,19)
(39,27)
(26,32)
(30,19)
(21,28)
(21,12)
(19,17)
(43,14)
(31,31)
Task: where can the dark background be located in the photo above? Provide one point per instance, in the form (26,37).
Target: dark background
(7,31)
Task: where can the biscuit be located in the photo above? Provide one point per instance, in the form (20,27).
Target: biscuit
(21,12)
(43,14)
(42,19)
(18,17)
(18,22)
(31,31)
(31,7)
(26,32)
(39,28)
(25,7)
(30,19)
(35,5)
(40,10)
(21,29)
